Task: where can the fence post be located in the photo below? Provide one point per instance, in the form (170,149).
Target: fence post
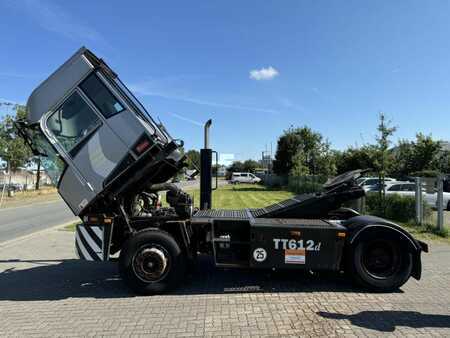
(440,202)
(418,195)
(363,204)
(3,192)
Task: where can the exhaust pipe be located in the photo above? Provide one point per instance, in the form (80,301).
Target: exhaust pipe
(206,171)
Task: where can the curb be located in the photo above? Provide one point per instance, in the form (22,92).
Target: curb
(33,234)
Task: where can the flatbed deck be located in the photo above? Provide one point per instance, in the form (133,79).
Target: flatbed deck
(270,211)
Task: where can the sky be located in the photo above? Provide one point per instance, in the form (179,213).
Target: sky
(255,67)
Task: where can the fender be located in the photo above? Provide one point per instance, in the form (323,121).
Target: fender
(359,225)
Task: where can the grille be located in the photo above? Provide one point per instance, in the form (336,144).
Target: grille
(256,213)
(221,213)
(277,207)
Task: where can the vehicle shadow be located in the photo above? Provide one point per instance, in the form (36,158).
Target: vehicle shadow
(386,321)
(54,280)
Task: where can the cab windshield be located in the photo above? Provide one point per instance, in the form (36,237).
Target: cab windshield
(40,146)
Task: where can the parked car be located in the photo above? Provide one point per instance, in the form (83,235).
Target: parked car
(409,189)
(371,183)
(11,187)
(244,178)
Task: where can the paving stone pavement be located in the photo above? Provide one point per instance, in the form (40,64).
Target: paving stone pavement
(45,291)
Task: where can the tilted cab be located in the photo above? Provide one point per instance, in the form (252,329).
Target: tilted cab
(96,137)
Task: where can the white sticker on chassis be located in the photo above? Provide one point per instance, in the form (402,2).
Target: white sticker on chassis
(296,256)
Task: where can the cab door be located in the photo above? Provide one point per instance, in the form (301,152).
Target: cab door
(89,144)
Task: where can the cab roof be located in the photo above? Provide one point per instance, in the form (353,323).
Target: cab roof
(51,91)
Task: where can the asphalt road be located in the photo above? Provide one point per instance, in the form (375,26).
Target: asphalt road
(21,221)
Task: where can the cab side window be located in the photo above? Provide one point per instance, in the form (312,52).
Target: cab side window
(103,99)
(72,122)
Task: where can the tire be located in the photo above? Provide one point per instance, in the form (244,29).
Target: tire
(151,262)
(380,264)
(448,206)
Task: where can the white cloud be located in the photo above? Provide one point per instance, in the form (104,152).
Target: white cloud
(263,73)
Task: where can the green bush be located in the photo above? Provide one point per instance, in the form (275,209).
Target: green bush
(433,229)
(395,207)
(305,184)
(425,173)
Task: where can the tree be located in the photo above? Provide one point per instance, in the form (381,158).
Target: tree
(383,157)
(38,173)
(302,151)
(354,158)
(423,154)
(13,149)
(250,166)
(193,159)
(287,147)
(298,165)
(403,156)
(443,162)
(236,166)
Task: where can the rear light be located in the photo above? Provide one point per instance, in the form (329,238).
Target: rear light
(143,144)
(97,219)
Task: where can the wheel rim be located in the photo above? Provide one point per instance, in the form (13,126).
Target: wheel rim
(381,259)
(151,263)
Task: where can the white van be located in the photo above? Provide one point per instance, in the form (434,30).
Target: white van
(370,183)
(244,178)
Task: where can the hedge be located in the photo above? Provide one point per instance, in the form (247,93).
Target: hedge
(396,207)
(305,184)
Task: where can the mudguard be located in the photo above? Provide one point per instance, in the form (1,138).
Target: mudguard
(359,225)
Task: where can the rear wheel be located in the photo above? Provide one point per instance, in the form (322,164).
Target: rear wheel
(448,206)
(151,262)
(381,264)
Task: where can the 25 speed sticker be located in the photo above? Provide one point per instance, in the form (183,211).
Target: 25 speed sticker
(292,244)
(259,255)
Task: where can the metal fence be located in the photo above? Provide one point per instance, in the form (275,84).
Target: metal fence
(432,204)
(430,192)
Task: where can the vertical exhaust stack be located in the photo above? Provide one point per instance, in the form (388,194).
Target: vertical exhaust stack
(206,171)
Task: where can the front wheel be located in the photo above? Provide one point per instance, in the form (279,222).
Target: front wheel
(151,262)
(381,264)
